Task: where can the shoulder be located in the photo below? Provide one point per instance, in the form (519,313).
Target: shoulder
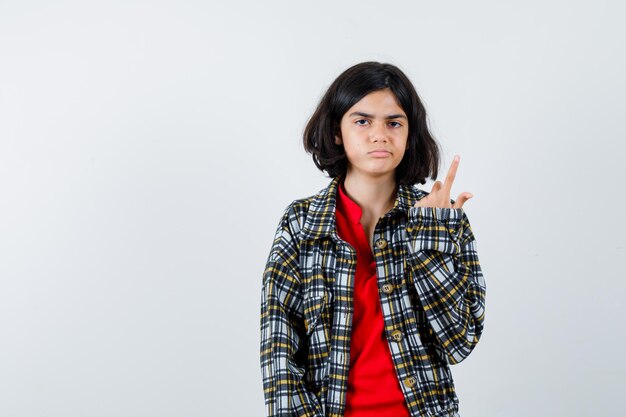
(295,214)
(286,243)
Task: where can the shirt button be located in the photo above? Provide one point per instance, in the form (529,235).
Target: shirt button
(410,381)
(396,335)
(410,229)
(381,243)
(387,288)
(452,231)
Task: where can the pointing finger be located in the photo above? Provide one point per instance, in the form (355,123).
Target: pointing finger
(451,173)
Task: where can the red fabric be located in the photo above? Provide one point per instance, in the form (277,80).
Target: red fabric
(373,387)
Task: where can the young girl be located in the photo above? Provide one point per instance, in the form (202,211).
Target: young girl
(372,287)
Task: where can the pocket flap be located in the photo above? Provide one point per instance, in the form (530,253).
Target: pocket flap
(315,301)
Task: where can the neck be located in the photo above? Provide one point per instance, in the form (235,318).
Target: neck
(375,195)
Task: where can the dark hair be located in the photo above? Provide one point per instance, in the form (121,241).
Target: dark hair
(421,158)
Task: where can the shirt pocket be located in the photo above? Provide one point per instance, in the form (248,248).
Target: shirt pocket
(316,300)
(317,321)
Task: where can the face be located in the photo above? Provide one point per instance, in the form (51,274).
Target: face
(374,134)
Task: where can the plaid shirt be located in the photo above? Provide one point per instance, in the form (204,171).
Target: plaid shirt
(432,295)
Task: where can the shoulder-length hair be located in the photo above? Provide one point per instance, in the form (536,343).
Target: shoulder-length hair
(421,158)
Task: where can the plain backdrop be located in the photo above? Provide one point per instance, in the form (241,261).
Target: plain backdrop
(148,150)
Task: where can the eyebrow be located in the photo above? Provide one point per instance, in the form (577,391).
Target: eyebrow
(390,116)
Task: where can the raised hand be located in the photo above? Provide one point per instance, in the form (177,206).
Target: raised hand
(440,194)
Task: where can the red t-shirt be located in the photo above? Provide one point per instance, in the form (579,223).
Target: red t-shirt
(373,386)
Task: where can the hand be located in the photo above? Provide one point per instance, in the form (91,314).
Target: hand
(440,194)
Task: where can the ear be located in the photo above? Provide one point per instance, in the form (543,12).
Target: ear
(338,140)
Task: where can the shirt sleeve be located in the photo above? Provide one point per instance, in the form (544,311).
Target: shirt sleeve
(282,332)
(448,278)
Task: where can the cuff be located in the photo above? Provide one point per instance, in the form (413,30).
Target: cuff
(434,228)
(450,216)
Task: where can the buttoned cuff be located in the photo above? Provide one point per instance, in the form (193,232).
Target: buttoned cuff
(450,216)
(434,228)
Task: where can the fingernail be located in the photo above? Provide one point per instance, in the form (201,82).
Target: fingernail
(456,158)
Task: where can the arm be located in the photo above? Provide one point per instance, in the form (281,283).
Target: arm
(448,278)
(282,332)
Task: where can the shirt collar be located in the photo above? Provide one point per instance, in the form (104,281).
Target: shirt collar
(320,220)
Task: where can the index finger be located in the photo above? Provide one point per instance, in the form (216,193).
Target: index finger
(451,173)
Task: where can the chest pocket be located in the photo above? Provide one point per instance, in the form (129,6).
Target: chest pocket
(316,301)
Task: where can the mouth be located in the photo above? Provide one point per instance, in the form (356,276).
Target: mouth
(380,153)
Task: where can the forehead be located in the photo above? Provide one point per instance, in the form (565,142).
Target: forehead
(381,101)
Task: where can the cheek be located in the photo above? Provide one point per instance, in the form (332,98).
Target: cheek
(354,148)
(353,152)
(400,152)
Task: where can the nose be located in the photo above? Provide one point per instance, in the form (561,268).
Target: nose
(378,132)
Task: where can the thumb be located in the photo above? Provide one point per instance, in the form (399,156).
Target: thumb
(463,197)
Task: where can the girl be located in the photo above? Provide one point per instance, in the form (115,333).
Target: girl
(372,287)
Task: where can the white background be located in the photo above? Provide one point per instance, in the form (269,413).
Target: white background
(148,150)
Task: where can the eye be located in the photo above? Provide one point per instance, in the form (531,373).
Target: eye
(360,120)
(398,124)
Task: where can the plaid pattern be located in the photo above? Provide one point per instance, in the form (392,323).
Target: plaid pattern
(432,294)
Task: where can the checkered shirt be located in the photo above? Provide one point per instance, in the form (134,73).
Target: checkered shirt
(432,296)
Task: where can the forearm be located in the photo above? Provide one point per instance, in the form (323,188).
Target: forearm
(448,278)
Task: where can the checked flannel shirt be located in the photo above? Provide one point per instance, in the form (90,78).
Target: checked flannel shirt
(432,295)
